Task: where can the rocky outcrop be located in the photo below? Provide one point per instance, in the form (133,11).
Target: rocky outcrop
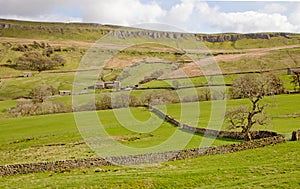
(146,33)
(235,37)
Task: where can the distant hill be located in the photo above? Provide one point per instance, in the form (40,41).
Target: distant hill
(90,32)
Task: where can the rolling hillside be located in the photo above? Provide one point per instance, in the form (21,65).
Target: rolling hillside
(37,127)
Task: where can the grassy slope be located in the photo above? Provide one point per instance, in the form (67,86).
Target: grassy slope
(269,167)
(55,31)
(275,59)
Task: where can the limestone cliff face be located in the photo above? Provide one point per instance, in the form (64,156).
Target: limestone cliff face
(147,33)
(200,37)
(235,37)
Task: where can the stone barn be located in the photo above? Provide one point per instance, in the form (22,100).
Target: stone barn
(27,74)
(108,85)
(64,92)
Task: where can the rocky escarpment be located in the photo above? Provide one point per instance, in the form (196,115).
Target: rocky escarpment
(147,33)
(235,37)
(56,28)
(200,37)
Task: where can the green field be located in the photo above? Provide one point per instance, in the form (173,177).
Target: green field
(56,137)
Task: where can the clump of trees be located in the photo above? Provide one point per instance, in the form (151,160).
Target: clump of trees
(29,108)
(254,88)
(36,61)
(40,93)
(39,103)
(36,57)
(159,98)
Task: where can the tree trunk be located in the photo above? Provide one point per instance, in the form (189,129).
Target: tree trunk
(246,132)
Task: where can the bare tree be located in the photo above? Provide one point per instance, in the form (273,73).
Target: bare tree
(296,80)
(41,92)
(147,98)
(275,84)
(255,89)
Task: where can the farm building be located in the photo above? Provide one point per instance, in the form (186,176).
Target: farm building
(27,74)
(293,71)
(108,85)
(64,92)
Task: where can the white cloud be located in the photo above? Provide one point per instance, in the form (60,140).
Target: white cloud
(295,15)
(245,22)
(44,18)
(123,12)
(180,12)
(274,8)
(36,10)
(27,7)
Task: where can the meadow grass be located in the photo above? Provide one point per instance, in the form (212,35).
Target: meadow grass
(275,59)
(268,167)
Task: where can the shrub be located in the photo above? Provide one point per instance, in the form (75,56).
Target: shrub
(29,108)
(37,62)
(40,93)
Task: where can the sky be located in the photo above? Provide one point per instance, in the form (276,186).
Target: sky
(195,16)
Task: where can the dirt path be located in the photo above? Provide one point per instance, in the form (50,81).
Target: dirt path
(250,53)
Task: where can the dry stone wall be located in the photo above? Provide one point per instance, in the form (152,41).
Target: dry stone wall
(210,132)
(7,170)
(296,136)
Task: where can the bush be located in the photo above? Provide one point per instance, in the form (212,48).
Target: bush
(29,108)
(40,93)
(104,102)
(249,86)
(37,62)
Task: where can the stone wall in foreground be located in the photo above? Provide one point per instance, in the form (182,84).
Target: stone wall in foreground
(7,170)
